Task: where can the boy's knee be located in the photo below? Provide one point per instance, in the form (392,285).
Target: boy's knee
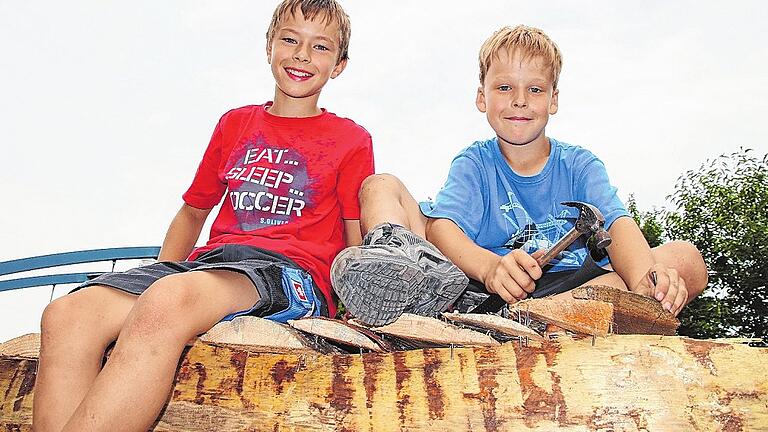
(378,181)
(700,275)
(70,316)
(689,254)
(376,185)
(169,295)
(688,261)
(60,314)
(92,315)
(164,305)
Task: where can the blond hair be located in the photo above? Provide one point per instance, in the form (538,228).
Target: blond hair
(330,11)
(531,42)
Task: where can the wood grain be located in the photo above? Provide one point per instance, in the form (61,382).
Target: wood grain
(627,383)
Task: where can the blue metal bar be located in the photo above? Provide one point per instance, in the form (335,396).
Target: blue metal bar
(67,278)
(80,257)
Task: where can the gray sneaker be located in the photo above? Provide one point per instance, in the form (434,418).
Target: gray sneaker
(443,282)
(395,271)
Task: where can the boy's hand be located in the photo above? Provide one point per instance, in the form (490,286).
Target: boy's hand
(514,275)
(666,286)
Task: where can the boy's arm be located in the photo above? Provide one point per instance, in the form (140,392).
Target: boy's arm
(352,234)
(630,254)
(632,260)
(183,233)
(512,276)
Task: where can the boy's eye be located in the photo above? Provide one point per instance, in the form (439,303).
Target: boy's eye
(535,90)
(505,87)
(321,47)
(288,40)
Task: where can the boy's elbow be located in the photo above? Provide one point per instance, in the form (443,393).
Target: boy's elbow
(436,227)
(430,229)
(428,226)
(194,213)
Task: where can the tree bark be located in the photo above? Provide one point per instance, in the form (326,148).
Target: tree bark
(623,382)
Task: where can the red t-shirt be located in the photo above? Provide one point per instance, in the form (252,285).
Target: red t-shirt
(289,182)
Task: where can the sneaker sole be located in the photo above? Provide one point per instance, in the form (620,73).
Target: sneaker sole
(375,285)
(444,283)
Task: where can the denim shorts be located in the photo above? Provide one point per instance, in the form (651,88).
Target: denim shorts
(286,290)
(549,283)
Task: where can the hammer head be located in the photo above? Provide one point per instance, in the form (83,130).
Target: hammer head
(590,221)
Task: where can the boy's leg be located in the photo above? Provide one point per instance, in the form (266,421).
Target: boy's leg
(76,329)
(130,391)
(384,198)
(395,270)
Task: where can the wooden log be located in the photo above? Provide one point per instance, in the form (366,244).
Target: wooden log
(591,317)
(494,322)
(627,383)
(632,313)
(26,346)
(425,329)
(336,331)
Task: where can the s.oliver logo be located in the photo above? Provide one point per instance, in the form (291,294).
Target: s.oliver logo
(299,290)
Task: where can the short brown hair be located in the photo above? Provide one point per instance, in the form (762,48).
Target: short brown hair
(531,41)
(329,9)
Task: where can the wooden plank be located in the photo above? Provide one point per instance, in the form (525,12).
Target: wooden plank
(628,383)
(258,334)
(425,329)
(591,317)
(494,322)
(336,331)
(632,313)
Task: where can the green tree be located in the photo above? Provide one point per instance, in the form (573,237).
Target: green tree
(649,223)
(723,209)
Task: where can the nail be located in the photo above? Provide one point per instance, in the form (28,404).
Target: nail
(654,280)
(659,296)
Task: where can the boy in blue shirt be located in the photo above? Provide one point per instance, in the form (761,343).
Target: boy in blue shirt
(500,208)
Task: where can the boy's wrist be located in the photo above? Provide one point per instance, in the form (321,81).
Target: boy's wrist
(488,268)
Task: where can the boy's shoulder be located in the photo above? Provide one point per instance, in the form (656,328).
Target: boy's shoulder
(242,111)
(349,125)
(571,154)
(480,150)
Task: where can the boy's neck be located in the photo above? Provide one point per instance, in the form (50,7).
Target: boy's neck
(286,106)
(528,159)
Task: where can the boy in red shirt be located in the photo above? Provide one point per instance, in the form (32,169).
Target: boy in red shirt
(289,173)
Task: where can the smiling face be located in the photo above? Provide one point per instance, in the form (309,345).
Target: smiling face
(303,55)
(518,97)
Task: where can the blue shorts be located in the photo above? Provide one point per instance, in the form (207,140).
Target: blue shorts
(286,290)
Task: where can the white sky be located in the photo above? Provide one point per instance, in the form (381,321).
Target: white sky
(106,107)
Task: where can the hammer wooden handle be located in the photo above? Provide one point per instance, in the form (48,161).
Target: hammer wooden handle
(560,246)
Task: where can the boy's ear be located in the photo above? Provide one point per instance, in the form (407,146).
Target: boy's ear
(339,68)
(269,52)
(553,102)
(480,100)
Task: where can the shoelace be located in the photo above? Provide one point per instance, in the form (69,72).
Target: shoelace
(388,238)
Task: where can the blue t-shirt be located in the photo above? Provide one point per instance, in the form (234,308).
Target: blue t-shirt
(495,207)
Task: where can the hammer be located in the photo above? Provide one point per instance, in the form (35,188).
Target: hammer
(590,220)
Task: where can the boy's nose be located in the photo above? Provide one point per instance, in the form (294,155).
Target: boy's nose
(301,55)
(519,101)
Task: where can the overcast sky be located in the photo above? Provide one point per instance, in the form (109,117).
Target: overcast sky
(106,107)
